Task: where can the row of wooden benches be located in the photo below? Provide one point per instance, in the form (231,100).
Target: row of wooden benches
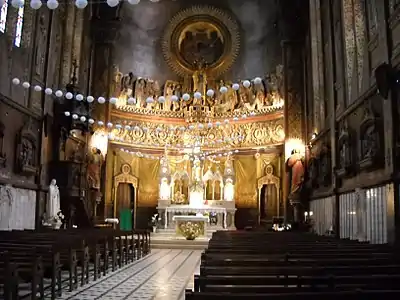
(288,265)
(30,259)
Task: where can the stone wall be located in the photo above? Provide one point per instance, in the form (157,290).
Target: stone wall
(43,58)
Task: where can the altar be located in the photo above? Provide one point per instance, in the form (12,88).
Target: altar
(223,216)
(197,224)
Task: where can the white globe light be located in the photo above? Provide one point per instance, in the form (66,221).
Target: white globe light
(91,121)
(257,80)
(154,1)
(75,116)
(17,3)
(113,100)
(52,4)
(118,126)
(131,101)
(197,95)
(100,123)
(79,97)
(218,123)
(210,125)
(36,4)
(149,100)
(81,4)
(59,94)
(69,96)
(37,88)
(174,98)
(223,90)
(83,119)
(26,85)
(133,2)
(109,124)
(210,93)
(67,113)
(186,97)
(48,91)
(90,99)
(236,86)
(112,3)
(246,83)
(16,81)
(161,99)
(101,100)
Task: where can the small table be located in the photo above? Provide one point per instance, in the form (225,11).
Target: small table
(199,221)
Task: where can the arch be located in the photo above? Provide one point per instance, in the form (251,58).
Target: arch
(125,176)
(269,179)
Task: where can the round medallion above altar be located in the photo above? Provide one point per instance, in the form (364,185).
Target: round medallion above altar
(201,37)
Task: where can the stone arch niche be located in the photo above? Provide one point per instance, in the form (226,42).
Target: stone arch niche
(125,177)
(269,179)
(26,150)
(180,187)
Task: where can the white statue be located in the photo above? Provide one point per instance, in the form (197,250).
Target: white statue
(53,202)
(229,190)
(164,189)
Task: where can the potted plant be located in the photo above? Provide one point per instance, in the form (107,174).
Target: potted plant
(155,219)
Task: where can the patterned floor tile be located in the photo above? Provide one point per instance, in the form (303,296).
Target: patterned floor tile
(162,275)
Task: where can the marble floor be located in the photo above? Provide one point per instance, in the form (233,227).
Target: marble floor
(162,275)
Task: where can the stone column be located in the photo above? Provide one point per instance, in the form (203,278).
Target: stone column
(104,37)
(293,93)
(317,66)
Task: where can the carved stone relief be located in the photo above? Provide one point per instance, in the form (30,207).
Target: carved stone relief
(325,167)
(370,140)
(26,150)
(252,134)
(3,158)
(346,151)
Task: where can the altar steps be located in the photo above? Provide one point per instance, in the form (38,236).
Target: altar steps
(167,239)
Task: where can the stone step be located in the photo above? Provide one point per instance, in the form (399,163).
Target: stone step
(178,246)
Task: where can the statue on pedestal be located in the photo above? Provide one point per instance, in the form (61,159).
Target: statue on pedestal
(295,170)
(53,210)
(94,169)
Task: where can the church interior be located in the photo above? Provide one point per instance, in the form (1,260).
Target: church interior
(189,149)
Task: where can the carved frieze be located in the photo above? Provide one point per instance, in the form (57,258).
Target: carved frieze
(26,150)
(370,143)
(3,158)
(159,135)
(345,151)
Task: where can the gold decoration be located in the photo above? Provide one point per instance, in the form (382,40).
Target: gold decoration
(196,30)
(254,134)
(191,229)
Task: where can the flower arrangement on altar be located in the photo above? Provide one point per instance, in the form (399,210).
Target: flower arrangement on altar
(191,230)
(155,220)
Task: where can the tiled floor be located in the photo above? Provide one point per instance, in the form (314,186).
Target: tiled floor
(162,275)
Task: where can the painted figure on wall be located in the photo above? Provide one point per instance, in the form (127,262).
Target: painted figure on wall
(94,169)
(295,170)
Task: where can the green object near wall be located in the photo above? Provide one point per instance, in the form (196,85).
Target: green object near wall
(125,221)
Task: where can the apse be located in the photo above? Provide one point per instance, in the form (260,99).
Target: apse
(143,26)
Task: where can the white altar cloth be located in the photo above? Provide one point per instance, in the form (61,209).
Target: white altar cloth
(191,218)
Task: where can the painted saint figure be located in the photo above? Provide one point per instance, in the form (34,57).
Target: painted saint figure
(295,170)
